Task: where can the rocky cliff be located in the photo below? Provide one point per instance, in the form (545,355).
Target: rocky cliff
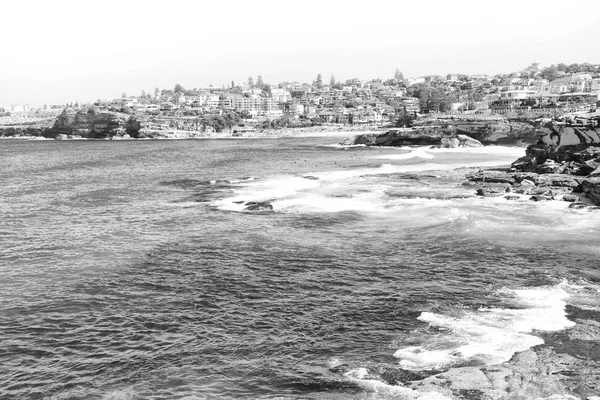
(88,124)
(487,129)
(566,146)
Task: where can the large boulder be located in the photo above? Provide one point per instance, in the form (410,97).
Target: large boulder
(408,137)
(591,188)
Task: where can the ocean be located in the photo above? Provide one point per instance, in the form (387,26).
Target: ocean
(131,270)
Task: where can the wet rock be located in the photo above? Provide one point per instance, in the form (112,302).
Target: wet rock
(526,376)
(591,188)
(527,182)
(570,198)
(550,167)
(258,206)
(312,178)
(540,191)
(540,198)
(557,193)
(512,197)
(491,191)
(524,161)
(558,180)
(582,206)
(492,177)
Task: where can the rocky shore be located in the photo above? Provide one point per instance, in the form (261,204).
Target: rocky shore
(93,124)
(564,164)
(436,130)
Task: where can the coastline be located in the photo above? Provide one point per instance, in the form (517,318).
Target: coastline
(316,131)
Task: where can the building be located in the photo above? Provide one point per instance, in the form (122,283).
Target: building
(281,95)
(515,99)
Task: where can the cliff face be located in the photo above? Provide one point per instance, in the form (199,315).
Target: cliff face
(488,129)
(576,144)
(569,146)
(89,125)
(434,131)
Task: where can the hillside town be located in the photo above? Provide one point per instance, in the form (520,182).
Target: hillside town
(255,104)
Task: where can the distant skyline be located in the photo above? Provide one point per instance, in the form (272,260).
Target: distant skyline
(64,50)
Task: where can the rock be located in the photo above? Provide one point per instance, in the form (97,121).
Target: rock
(491,191)
(596,171)
(570,198)
(540,191)
(512,197)
(89,125)
(524,161)
(366,139)
(312,178)
(559,180)
(550,167)
(467,141)
(492,177)
(258,206)
(540,198)
(581,206)
(591,188)
(449,143)
(526,376)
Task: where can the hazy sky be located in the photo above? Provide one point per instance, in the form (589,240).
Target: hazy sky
(61,50)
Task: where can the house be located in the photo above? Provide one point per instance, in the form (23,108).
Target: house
(515,99)
(168,106)
(412,104)
(281,95)
(296,109)
(572,83)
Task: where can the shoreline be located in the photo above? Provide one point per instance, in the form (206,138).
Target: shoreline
(319,131)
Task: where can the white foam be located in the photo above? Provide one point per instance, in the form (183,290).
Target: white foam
(266,190)
(344,146)
(496,150)
(490,335)
(416,154)
(384,390)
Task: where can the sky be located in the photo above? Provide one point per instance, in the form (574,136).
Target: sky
(52,52)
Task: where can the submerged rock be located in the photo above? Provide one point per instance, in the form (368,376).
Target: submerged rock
(258,206)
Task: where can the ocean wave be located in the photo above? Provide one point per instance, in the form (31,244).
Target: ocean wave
(489,335)
(384,390)
(416,154)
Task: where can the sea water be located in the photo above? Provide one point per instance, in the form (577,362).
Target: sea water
(131,270)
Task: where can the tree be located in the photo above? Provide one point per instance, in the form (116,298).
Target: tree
(332,80)
(156,92)
(405,118)
(319,81)
(178,88)
(123,95)
(431,98)
(259,81)
(398,76)
(143,95)
(250,81)
(232,84)
(550,73)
